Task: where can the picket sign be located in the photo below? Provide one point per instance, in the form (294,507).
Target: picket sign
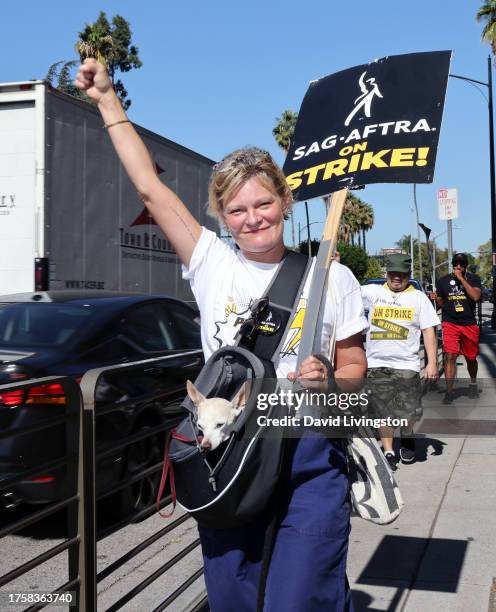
(310,343)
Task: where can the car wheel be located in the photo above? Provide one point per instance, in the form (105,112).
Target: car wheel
(141,494)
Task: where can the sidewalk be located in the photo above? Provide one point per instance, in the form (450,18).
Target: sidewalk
(440,554)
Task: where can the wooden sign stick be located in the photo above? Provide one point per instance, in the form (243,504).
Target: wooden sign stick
(309,344)
(333,220)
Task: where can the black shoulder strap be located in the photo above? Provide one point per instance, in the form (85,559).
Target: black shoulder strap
(281,295)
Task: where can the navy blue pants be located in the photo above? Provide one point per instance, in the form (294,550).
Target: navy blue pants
(307,572)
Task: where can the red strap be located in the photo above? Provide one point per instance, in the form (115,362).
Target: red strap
(180,437)
(165,470)
(168,467)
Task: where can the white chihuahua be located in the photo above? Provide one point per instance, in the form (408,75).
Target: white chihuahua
(214,413)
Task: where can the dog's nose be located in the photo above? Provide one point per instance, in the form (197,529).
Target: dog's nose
(205,444)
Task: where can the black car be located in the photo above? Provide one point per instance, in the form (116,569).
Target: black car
(381,280)
(487,294)
(69,333)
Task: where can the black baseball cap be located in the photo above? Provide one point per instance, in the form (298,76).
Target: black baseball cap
(459,258)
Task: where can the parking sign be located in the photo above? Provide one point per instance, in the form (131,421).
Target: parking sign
(447,203)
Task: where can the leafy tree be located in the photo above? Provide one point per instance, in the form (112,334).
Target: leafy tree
(374,268)
(111,45)
(441,262)
(314,247)
(352,256)
(404,245)
(472,265)
(484,265)
(487,13)
(355,258)
(441,258)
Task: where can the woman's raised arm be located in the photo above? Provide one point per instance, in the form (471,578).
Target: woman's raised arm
(173,217)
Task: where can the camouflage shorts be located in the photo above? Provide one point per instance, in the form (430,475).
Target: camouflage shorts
(394,393)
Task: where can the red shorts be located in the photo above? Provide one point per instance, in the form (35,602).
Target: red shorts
(461,340)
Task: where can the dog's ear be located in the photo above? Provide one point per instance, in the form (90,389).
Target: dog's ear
(195,396)
(241,397)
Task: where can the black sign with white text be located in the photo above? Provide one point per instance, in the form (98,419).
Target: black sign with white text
(375,123)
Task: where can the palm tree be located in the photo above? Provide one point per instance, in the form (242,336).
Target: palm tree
(353,204)
(358,217)
(348,226)
(487,13)
(367,221)
(284,129)
(345,223)
(283,133)
(59,75)
(52,72)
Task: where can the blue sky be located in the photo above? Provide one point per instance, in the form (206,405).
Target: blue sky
(216,75)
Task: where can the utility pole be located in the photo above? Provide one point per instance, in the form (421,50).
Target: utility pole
(434,263)
(291,213)
(421,276)
(308,231)
(449,223)
(492,178)
(411,250)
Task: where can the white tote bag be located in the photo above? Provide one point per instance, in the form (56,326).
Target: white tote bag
(375,495)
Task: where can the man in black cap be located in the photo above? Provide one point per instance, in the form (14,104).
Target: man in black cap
(398,314)
(457,294)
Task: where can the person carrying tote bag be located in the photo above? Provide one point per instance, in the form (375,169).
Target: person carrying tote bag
(249,196)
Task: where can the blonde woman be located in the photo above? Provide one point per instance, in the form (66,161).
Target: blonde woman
(249,196)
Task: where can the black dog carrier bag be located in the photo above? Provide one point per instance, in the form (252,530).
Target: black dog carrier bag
(232,484)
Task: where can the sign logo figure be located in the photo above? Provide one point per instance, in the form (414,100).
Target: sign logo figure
(369,89)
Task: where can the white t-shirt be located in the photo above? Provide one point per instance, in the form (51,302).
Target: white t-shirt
(395,324)
(226,284)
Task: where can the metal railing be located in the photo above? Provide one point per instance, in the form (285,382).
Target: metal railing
(84,452)
(71,419)
(91,455)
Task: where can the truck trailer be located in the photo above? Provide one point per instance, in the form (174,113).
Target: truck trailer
(69,216)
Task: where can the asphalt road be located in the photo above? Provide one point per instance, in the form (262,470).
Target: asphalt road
(19,548)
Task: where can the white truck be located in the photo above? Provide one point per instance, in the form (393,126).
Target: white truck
(69,216)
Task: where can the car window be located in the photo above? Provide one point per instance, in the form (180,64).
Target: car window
(36,325)
(148,327)
(185,325)
(113,350)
